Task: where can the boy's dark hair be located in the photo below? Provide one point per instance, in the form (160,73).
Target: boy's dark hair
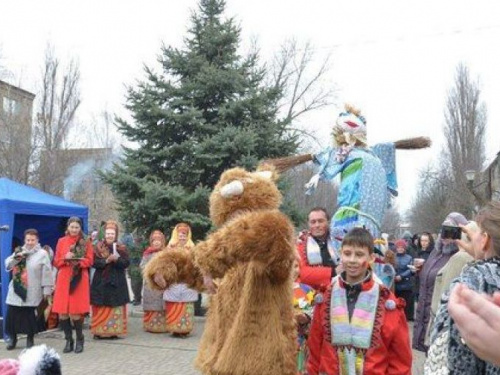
(359,237)
(318,209)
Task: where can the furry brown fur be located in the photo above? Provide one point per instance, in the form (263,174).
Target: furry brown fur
(173,265)
(250,328)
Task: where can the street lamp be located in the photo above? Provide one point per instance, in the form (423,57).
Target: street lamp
(470,175)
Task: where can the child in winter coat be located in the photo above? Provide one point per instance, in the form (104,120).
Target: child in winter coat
(360,327)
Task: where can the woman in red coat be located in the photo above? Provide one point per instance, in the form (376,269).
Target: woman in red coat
(74,256)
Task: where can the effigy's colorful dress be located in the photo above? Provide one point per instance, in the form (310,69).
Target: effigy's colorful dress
(367,181)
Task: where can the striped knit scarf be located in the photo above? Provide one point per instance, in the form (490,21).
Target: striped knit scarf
(352,338)
(314,252)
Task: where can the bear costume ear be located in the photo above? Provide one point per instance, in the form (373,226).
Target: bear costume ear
(267,171)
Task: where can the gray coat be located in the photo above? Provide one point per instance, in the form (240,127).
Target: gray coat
(40,278)
(152,300)
(437,260)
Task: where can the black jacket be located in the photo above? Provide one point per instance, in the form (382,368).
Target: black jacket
(109,284)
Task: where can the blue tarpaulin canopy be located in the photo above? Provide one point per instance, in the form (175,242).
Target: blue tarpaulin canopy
(23,207)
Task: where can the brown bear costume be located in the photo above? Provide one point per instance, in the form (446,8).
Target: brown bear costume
(250,328)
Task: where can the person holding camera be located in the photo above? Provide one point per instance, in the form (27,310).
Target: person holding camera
(449,272)
(31,282)
(468,346)
(445,248)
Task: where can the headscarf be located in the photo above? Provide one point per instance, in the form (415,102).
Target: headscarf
(174,239)
(156,234)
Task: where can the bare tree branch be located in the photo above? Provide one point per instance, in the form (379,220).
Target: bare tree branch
(303,86)
(444,188)
(59,100)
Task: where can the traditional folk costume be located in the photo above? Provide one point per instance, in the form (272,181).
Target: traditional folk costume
(359,330)
(109,291)
(303,298)
(31,281)
(179,299)
(154,319)
(317,260)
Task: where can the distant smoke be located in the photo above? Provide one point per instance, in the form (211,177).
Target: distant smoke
(86,170)
(76,175)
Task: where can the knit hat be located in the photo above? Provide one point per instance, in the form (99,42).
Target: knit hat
(454,219)
(400,243)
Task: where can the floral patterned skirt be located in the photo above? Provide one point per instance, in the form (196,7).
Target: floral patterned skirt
(180,317)
(154,321)
(108,321)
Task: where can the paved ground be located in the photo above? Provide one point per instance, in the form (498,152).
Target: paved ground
(139,353)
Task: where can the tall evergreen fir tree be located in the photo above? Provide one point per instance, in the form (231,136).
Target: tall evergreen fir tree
(209,109)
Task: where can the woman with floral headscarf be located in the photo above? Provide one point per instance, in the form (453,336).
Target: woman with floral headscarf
(152,300)
(74,257)
(109,292)
(179,299)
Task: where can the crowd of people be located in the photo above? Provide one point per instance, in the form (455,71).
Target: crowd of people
(454,283)
(354,289)
(87,277)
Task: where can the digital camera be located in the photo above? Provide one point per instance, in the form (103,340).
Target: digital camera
(451,232)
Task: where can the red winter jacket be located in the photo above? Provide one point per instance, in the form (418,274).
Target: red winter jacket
(392,357)
(318,277)
(77,302)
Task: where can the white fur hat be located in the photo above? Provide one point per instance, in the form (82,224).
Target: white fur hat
(39,360)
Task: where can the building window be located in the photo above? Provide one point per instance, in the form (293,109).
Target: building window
(10,106)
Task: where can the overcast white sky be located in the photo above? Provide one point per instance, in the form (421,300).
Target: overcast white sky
(393,59)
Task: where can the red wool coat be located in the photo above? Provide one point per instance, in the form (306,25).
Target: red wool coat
(392,355)
(78,302)
(314,276)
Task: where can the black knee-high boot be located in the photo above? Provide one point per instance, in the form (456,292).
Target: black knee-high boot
(79,335)
(30,341)
(68,335)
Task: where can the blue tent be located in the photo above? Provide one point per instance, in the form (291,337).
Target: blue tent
(23,207)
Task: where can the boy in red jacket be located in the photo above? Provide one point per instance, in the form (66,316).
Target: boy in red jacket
(360,327)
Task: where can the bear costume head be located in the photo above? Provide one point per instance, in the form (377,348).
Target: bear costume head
(239,191)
